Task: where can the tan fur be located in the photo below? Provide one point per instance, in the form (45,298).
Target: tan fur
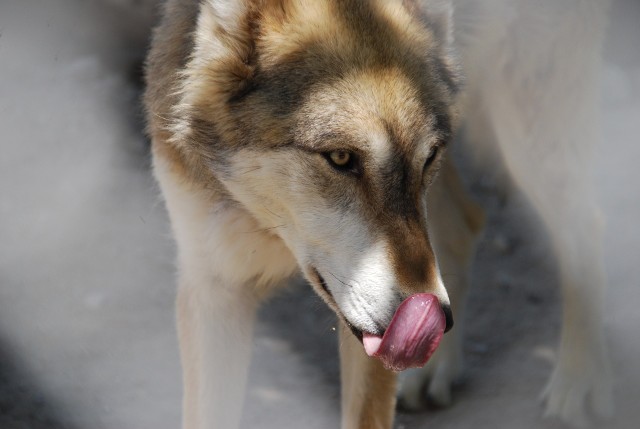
(206,81)
(246,100)
(230,88)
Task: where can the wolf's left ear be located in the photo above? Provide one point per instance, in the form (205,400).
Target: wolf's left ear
(437,14)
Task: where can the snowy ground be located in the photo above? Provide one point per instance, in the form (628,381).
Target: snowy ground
(87,337)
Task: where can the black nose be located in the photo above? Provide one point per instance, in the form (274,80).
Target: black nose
(448,315)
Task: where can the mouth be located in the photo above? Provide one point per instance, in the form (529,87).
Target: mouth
(328,297)
(413,334)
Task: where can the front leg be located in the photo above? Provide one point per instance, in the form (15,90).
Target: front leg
(582,379)
(215,327)
(227,263)
(368,390)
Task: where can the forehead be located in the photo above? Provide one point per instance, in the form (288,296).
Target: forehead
(362,68)
(371,108)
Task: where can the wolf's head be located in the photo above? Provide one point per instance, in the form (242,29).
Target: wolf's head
(328,119)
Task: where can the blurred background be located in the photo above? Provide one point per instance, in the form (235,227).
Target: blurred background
(87,337)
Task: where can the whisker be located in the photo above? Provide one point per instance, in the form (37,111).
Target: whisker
(279,217)
(250,169)
(265,229)
(335,277)
(446,275)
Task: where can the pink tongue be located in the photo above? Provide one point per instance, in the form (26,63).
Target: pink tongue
(413,335)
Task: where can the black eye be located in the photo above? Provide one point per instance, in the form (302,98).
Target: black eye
(342,160)
(430,159)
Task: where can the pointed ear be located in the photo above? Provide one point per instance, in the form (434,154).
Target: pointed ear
(224,56)
(224,27)
(437,14)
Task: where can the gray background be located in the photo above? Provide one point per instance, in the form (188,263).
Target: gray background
(87,337)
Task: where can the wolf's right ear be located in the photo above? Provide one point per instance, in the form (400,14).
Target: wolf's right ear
(437,14)
(224,54)
(224,28)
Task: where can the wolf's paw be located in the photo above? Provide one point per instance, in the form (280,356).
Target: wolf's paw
(432,384)
(576,391)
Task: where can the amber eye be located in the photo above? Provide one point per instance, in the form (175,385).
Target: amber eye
(340,158)
(430,159)
(343,161)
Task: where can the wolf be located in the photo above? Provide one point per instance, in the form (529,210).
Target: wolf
(291,136)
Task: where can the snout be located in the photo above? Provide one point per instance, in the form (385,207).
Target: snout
(409,339)
(379,314)
(400,317)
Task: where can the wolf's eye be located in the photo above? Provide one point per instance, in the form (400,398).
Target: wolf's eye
(430,159)
(342,160)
